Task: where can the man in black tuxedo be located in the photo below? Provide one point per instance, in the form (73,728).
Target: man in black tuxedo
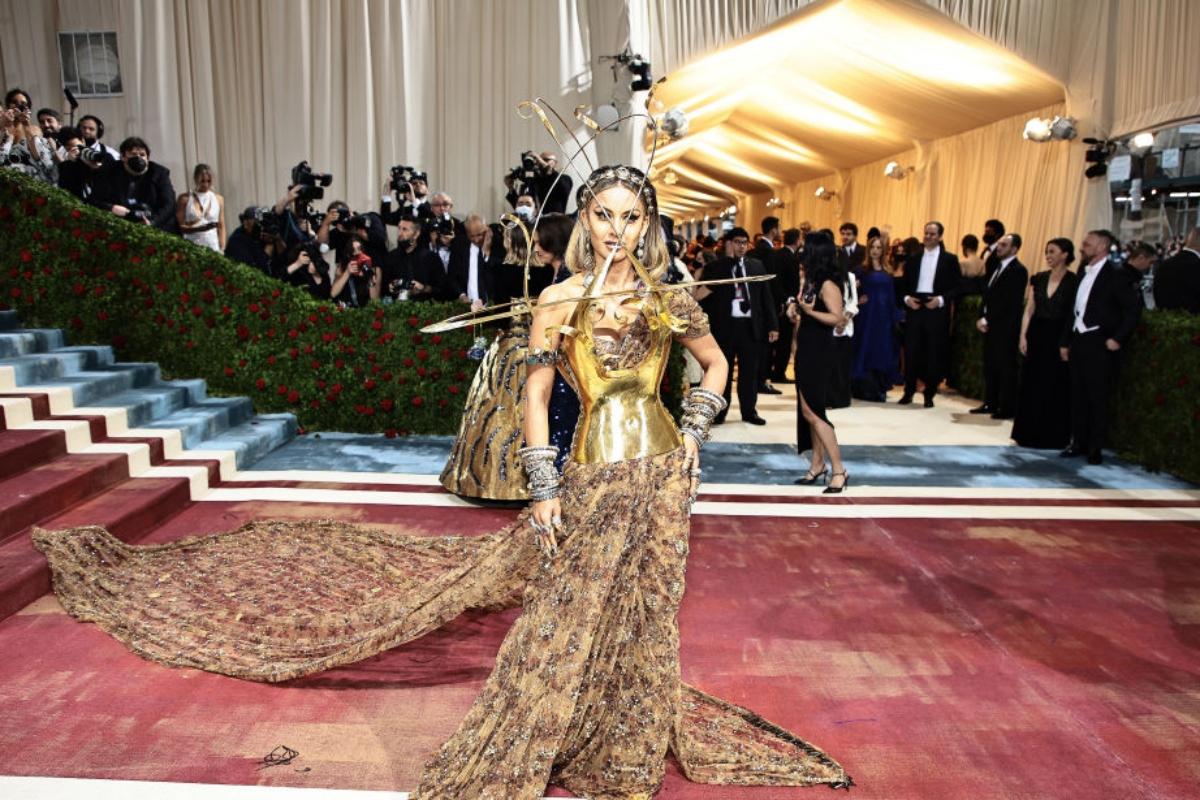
(743,319)
(1105,314)
(765,252)
(850,255)
(1000,323)
(786,285)
(931,282)
(468,268)
(1177,280)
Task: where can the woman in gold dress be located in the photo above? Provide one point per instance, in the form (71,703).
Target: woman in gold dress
(586,691)
(483,461)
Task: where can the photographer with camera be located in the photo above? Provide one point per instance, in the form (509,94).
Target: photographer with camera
(536,177)
(409,189)
(412,271)
(135,188)
(357,281)
(95,153)
(306,268)
(73,174)
(258,242)
(299,221)
(340,226)
(22,146)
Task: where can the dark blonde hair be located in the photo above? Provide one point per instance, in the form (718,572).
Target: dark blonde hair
(656,258)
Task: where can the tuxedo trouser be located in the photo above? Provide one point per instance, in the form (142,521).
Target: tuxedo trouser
(1092,367)
(926,341)
(741,347)
(1001,367)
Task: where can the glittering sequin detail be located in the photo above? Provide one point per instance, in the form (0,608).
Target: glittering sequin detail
(483,461)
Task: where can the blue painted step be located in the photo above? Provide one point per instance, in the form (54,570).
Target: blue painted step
(25,342)
(252,440)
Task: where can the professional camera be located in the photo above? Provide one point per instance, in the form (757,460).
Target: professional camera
(138,212)
(443,225)
(402,178)
(348,219)
(96,156)
(312,182)
(267,224)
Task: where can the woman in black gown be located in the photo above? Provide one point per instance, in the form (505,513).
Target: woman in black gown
(819,309)
(1044,405)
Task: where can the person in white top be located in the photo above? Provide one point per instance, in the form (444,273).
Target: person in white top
(201,212)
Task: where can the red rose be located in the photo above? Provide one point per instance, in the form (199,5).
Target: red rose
(281,389)
(241,362)
(76,213)
(260,384)
(454,389)
(315,364)
(229,372)
(413,322)
(15,293)
(253,308)
(336,388)
(423,354)
(436,339)
(418,401)
(79,290)
(26,256)
(314,403)
(387,404)
(100,315)
(390,433)
(369,384)
(377,325)
(293,397)
(294,353)
(443,402)
(408,362)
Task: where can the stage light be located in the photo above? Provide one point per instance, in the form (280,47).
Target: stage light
(674,124)
(1040,129)
(1037,130)
(775,202)
(1142,143)
(670,178)
(824,194)
(894,171)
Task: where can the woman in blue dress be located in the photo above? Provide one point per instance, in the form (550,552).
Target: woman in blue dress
(876,365)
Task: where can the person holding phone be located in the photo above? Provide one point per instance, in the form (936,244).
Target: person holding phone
(22,145)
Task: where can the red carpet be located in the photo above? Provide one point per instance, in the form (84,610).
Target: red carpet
(947,659)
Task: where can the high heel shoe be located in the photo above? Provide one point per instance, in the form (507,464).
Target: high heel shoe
(809,478)
(838,489)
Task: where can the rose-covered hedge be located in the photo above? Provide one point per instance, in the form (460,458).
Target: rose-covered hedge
(1155,413)
(156,297)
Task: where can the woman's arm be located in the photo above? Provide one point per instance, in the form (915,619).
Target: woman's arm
(221,222)
(181,212)
(708,354)
(831,293)
(1028,315)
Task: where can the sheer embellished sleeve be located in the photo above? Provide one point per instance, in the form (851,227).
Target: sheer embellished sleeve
(682,305)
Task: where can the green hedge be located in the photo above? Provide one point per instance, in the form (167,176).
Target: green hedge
(1155,418)
(966,349)
(157,297)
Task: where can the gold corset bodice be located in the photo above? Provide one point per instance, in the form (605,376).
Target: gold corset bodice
(621,415)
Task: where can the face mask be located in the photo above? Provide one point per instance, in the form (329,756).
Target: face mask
(137,165)
(524,212)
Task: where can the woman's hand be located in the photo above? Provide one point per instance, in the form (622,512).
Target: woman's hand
(1023,345)
(546,519)
(691,463)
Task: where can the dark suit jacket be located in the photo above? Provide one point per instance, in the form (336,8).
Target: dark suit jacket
(1112,304)
(763,251)
(1004,298)
(1177,282)
(947,280)
(113,186)
(852,261)
(786,268)
(719,304)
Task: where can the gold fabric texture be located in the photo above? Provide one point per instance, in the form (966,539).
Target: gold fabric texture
(586,691)
(483,462)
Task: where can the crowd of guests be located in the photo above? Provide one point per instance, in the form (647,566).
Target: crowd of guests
(856,319)
(866,318)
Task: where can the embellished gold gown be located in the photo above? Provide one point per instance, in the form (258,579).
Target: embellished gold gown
(483,462)
(586,691)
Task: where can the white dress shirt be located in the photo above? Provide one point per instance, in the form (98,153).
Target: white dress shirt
(1090,272)
(740,290)
(475,268)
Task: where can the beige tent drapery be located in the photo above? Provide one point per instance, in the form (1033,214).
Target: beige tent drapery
(253,86)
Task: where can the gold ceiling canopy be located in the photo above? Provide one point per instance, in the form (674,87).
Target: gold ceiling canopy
(835,85)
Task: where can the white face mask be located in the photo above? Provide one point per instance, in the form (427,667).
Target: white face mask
(524,212)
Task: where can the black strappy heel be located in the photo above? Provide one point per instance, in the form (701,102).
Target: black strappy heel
(838,489)
(809,479)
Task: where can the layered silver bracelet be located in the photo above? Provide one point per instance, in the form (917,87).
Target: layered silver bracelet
(541,472)
(537,357)
(700,408)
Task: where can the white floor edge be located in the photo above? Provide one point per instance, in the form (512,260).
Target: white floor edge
(25,788)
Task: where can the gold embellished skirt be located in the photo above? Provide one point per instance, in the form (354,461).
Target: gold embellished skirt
(483,462)
(586,691)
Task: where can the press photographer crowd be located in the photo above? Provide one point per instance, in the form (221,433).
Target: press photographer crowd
(855,319)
